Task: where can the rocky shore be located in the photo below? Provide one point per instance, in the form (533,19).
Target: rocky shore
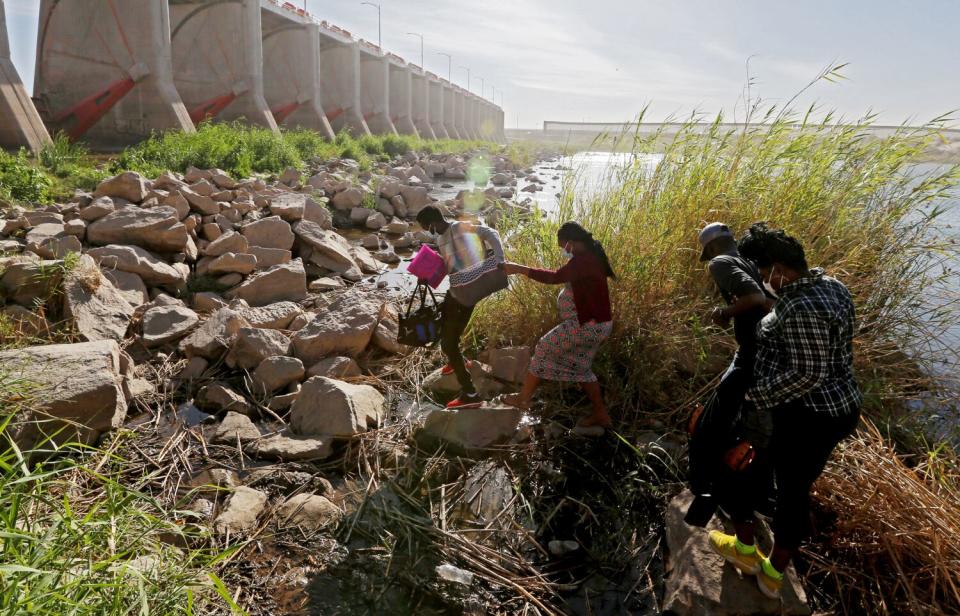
(239,329)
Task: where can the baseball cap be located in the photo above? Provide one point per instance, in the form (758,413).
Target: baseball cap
(711,232)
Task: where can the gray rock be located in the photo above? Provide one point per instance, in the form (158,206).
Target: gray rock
(218,397)
(79,386)
(234,427)
(329,249)
(700,582)
(130,285)
(251,346)
(348,199)
(157,228)
(290,448)
(241,512)
(272,316)
(277,372)
(128,185)
(345,328)
(165,324)
(469,430)
(271,232)
(100,207)
(309,511)
(231,241)
(331,407)
(275,284)
(97,310)
(335,368)
(27,282)
(268,257)
(215,336)
(232,263)
(136,260)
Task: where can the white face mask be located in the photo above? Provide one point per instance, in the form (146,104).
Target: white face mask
(566,253)
(768,286)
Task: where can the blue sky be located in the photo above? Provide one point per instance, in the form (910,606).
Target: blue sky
(604,60)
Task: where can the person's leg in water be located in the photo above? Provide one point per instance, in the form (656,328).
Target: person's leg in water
(455,318)
(599,416)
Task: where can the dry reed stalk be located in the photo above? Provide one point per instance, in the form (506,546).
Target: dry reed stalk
(897,522)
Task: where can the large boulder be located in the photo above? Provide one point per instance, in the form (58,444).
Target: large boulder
(288,206)
(385,336)
(157,228)
(135,260)
(415,197)
(699,582)
(334,408)
(469,430)
(251,346)
(309,511)
(215,336)
(318,213)
(509,364)
(241,511)
(128,185)
(163,324)
(348,199)
(96,309)
(286,282)
(345,328)
(329,249)
(79,386)
(270,232)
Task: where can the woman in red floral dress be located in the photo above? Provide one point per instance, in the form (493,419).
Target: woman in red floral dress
(566,352)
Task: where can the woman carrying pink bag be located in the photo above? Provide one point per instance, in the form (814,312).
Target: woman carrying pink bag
(473,254)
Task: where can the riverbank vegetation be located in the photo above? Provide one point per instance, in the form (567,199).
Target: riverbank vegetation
(238,149)
(889,509)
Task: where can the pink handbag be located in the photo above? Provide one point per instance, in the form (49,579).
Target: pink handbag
(429,266)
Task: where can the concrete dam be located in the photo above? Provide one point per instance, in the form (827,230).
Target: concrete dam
(111,72)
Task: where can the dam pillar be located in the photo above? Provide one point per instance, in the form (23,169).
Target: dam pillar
(20,124)
(291,70)
(435,91)
(460,101)
(470,115)
(105,75)
(218,60)
(375,90)
(340,79)
(401,96)
(450,111)
(421,104)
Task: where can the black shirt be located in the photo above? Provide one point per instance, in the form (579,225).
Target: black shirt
(737,277)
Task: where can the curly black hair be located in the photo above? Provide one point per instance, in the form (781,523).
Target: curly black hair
(765,246)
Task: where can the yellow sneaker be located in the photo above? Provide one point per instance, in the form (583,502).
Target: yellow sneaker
(769,580)
(726,546)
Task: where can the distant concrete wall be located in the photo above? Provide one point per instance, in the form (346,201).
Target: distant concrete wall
(340,79)
(375,92)
(421,105)
(105,75)
(450,111)
(460,104)
(218,59)
(401,99)
(435,90)
(20,124)
(291,73)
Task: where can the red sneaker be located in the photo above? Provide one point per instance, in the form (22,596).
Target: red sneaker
(448,369)
(472,401)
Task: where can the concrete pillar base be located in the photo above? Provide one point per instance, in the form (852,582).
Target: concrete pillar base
(20,124)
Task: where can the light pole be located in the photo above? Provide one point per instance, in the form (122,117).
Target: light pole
(482,87)
(449,64)
(493,94)
(379,31)
(468,76)
(422,67)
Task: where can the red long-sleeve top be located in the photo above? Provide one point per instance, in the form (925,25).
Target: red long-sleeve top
(588,279)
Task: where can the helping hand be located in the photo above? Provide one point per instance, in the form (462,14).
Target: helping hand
(511,268)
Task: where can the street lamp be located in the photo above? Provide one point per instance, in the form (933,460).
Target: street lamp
(422,68)
(482,87)
(493,94)
(468,76)
(449,64)
(379,35)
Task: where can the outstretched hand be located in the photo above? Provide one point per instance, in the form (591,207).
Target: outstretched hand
(511,268)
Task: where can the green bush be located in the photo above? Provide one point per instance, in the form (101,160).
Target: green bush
(61,157)
(22,181)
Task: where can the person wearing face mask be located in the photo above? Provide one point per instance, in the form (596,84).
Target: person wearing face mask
(803,378)
(566,352)
(724,415)
(463,246)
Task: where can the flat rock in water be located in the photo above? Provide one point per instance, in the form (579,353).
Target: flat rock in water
(469,430)
(699,582)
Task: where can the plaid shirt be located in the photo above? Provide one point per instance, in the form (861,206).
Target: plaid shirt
(805,348)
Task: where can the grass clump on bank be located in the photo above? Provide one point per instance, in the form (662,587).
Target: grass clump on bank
(867,214)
